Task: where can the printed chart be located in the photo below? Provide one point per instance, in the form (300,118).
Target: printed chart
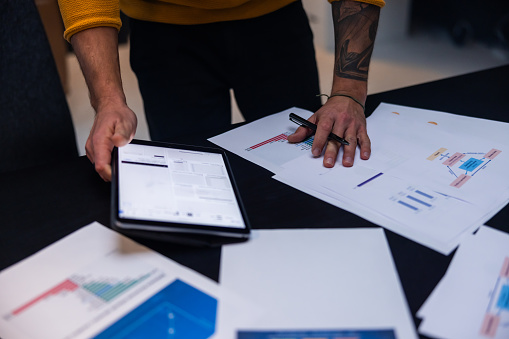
(414,199)
(96,283)
(278,150)
(463,166)
(497,313)
(283,137)
(337,334)
(178,311)
(91,293)
(410,198)
(88,290)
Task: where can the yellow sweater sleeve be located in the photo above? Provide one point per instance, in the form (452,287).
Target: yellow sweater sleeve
(79,15)
(379,3)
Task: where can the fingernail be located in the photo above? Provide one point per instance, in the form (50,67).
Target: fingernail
(366,154)
(329,161)
(348,160)
(316,152)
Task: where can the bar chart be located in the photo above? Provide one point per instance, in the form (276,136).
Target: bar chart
(91,293)
(415,199)
(108,289)
(283,138)
(278,150)
(83,289)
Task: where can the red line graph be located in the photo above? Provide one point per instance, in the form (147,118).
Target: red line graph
(274,139)
(67,285)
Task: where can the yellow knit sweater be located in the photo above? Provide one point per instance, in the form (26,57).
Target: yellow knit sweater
(79,15)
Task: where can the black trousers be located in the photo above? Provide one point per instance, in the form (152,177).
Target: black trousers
(185,73)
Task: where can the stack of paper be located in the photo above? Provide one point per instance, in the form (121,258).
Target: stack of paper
(432,177)
(472,299)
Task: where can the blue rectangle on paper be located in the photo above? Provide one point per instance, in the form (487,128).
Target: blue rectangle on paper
(407,205)
(328,334)
(424,194)
(471,164)
(178,311)
(503,298)
(418,200)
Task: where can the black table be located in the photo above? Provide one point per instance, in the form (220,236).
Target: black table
(38,206)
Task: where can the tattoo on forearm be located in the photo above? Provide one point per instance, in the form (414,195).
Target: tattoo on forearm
(355,29)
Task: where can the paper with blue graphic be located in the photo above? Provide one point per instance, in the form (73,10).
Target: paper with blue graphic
(177,311)
(472,299)
(432,176)
(98,283)
(329,334)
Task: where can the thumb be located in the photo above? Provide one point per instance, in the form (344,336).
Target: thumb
(300,134)
(122,136)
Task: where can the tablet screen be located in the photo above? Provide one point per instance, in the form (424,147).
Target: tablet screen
(182,186)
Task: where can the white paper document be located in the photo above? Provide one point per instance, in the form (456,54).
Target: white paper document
(317,281)
(264,141)
(432,177)
(472,299)
(98,283)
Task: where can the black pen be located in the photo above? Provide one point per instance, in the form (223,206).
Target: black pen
(303,122)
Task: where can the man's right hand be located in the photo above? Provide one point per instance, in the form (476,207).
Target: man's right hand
(114,125)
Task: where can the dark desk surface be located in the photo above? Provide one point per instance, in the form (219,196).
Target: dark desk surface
(39,206)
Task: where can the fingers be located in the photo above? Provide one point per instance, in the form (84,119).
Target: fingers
(346,121)
(324,128)
(98,149)
(349,150)
(331,154)
(332,150)
(365,145)
(300,134)
(109,130)
(103,148)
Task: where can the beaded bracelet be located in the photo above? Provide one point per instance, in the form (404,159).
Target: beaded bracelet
(343,95)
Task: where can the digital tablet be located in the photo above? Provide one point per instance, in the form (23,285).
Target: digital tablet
(163,189)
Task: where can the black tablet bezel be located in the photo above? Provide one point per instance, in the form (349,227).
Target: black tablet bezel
(152,228)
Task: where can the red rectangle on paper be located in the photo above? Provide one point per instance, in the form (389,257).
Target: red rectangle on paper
(492,154)
(453,159)
(490,325)
(504,272)
(460,181)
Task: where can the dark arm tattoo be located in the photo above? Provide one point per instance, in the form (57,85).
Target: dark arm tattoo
(355,26)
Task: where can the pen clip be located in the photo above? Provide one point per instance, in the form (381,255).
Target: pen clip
(301,121)
(306,123)
(295,120)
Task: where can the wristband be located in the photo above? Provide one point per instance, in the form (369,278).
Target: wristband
(343,95)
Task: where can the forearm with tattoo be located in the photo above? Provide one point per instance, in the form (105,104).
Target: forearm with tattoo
(355,29)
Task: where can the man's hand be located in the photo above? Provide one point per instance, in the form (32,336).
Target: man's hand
(114,125)
(355,26)
(343,117)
